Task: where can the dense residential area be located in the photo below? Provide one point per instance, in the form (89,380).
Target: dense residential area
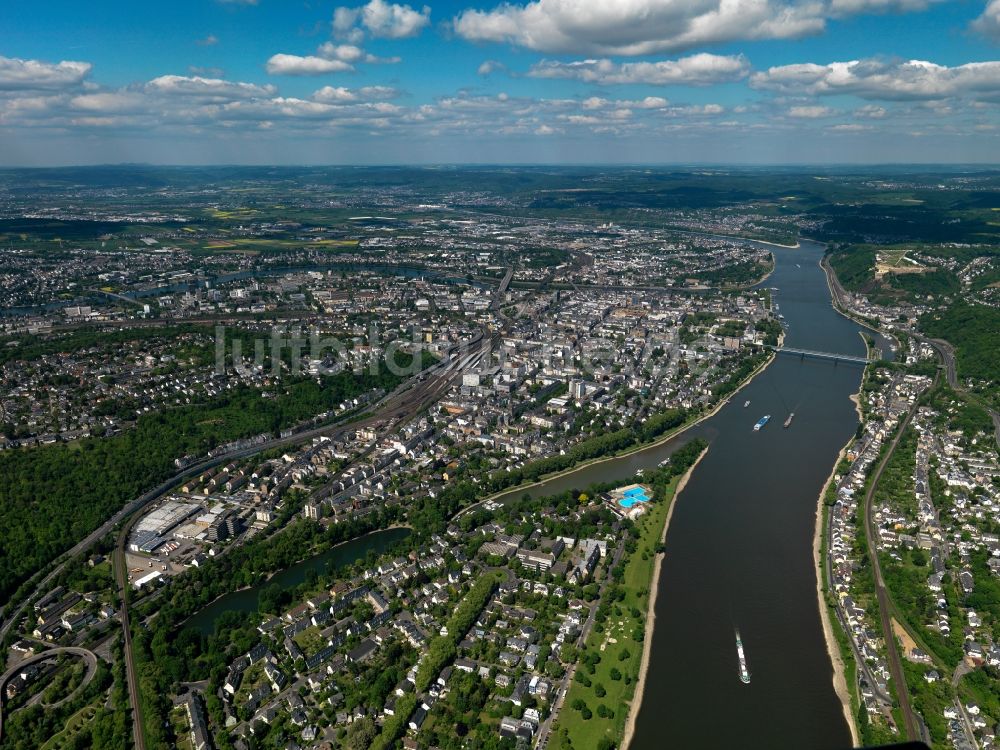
(919,490)
(391,461)
(305,441)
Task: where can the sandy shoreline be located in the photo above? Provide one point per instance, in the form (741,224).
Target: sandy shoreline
(651,611)
(832,646)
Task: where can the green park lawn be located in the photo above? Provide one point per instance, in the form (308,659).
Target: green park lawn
(615,643)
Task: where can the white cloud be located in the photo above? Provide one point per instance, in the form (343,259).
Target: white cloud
(350,53)
(335,94)
(871,111)
(310,65)
(381,19)
(346,52)
(650,102)
(810,112)
(695,70)
(208,88)
(988,23)
(209,41)
(393,21)
(883,79)
(850,128)
(18,74)
(643,27)
(344,19)
(638,27)
(488,67)
(703,110)
(108,101)
(378,92)
(341,95)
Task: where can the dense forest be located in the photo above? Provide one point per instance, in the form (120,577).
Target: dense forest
(55,495)
(855,267)
(974,330)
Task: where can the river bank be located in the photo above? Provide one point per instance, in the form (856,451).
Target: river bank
(671,435)
(832,645)
(796,246)
(654,585)
(832,283)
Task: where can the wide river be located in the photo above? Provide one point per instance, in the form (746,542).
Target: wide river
(739,548)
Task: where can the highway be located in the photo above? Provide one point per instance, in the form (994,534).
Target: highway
(946,352)
(504,283)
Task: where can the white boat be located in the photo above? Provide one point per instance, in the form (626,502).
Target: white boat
(746,403)
(744,672)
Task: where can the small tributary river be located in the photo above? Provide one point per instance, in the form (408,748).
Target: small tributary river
(245,600)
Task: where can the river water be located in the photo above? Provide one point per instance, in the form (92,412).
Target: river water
(739,548)
(245,600)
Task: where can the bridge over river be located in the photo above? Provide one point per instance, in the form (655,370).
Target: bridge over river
(826,355)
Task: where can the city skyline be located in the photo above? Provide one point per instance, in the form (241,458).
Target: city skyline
(844,81)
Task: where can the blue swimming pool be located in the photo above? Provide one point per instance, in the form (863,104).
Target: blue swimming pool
(633,496)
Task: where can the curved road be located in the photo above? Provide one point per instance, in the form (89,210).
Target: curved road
(946,352)
(88,656)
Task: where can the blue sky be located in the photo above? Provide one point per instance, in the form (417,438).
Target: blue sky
(648,81)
